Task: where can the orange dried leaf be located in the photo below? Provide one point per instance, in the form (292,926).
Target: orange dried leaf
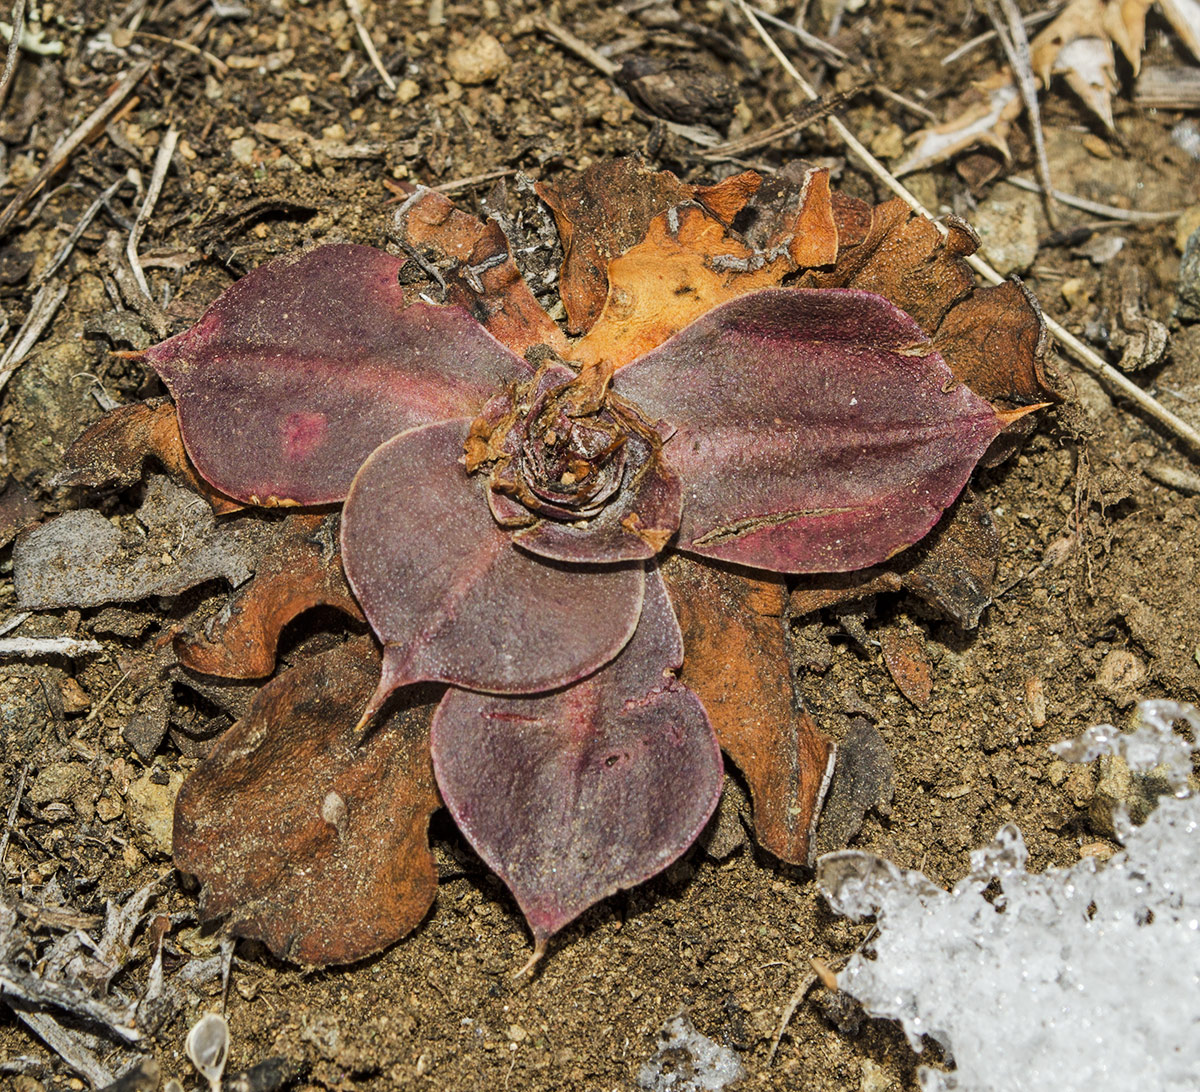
(114,450)
(737,663)
(688,263)
(908,664)
(607,209)
(298,572)
(484,278)
(309,839)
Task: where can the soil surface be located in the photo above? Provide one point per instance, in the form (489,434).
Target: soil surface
(287,136)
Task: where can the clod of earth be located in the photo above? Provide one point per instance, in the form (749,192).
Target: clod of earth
(520,510)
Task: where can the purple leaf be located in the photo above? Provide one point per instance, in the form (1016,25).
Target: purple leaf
(303,367)
(574,795)
(448,593)
(816,431)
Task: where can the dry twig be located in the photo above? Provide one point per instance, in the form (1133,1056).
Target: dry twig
(32,647)
(166,149)
(1085,354)
(45,303)
(364,35)
(14,48)
(63,152)
(1016,49)
(1109,212)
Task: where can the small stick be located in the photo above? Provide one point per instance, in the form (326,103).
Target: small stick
(364,36)
(219,65)
(1087,356)
(831,55)
(988,35)
(1110,212)
(166,149)
(789,1011)
(45,303)
(1016,49)
(14,47)
(68,147)
(93,210)
(474,180)
(10,822)
(47,646)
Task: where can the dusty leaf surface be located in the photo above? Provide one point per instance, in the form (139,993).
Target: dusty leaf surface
(450,595)
(303,367)
(305,837)
(574,795)
(840,381)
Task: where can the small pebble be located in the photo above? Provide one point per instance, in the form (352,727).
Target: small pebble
(477,62)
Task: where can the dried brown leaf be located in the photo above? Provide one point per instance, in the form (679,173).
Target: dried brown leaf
(306,838)
(908,664)
(113,452)
(302,569)
(737,663)
(607,209)
(483,276)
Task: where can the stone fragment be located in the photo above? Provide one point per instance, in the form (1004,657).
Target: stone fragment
(477,62)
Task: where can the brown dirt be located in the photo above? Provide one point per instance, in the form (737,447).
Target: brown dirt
(1097,575)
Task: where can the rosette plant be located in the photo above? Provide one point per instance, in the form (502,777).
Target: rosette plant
(510,495)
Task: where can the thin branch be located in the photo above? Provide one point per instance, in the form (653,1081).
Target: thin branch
(14,48)
(33,647)
(45,303)
(1109,212)
(1028,21)
(1087,356)
(61,154)
(166,149)
(64,252)
(10,822)
(1016,49)
(364,36)
(219,66)
(830,53)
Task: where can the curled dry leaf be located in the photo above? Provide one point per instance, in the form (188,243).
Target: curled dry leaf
(506,523)
(307,837)
(737,663)
(983,116)
(301,570)
(479,270)
(114,451)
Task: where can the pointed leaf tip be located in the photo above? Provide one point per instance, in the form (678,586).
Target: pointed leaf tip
(810,438)
(574,795)
(451,597)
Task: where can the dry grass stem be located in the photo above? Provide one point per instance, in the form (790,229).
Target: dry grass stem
(36,647)
(1028,21)
(1109,212)
(1085,354)
(47,301)
(92,211)
(63,152)
(364,36)
(1016,49)
(14,48)
(218,65)
(166,149)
